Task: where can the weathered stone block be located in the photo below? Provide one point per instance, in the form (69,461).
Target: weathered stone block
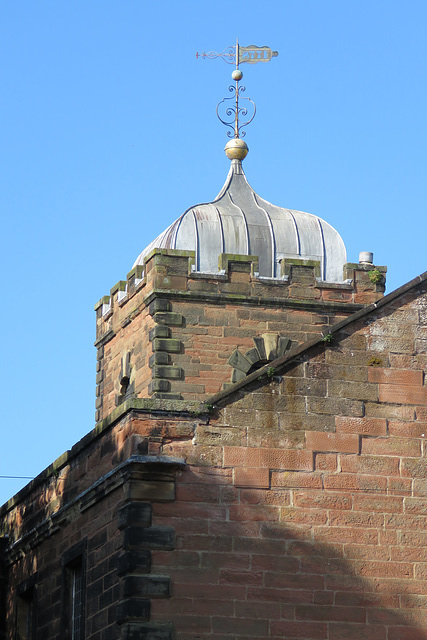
(283,344)
(211,435)
(119,286)
(169,345)
(159,304)
(248,264)
(158,385)
(270,344)
(252,478)
(301,292)
(133,609)
(332,442)
(149,538)
(168,318)
(151,586)
(164,395)
(353,390)
(134,513)
(299,269)
(151,491)
(159,331)
(239,361)
(252,355)
(335,406)
(237,375)
(176,258)
(167,371)
(134,560)
(304,386)
(259,344)
(147,631)
(159,357)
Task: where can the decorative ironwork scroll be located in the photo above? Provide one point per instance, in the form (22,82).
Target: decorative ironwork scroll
(228,55)
(235,115)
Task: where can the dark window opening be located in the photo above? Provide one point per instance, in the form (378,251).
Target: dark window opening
(75,578)
(73,610)
(25,613)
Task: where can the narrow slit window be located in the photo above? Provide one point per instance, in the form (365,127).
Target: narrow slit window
(74,593)
(76,601)
(25,615)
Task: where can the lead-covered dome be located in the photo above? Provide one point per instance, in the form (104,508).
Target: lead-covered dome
(240,222)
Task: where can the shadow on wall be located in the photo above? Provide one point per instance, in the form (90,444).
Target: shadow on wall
(246,562)
(239,572)
(58,513)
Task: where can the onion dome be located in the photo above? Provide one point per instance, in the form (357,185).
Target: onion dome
(240,222)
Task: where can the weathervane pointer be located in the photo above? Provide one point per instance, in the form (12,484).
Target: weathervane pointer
(238,55)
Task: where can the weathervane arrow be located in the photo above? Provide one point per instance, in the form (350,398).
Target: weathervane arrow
(238,55)
(235,112)
(254,54)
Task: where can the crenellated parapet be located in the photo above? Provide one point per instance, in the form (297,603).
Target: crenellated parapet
(169,331)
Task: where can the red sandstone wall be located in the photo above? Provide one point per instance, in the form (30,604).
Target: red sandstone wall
(212,333)
(128,336)
(303,512)
(42,562)
(206,318)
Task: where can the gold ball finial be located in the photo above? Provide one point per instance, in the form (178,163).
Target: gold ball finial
(236,149)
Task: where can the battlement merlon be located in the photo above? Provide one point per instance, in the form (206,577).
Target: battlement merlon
(175,272)
(168,331)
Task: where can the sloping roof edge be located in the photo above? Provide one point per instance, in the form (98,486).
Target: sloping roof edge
(291,355)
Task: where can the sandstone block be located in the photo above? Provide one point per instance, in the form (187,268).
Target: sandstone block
(255,478)
(395,376)
(404,394)
(332,442)
(362,426)
(151,586)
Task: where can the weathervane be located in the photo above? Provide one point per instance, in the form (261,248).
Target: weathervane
(235,117)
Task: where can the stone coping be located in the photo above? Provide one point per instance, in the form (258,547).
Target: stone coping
(155,406)
(98,490)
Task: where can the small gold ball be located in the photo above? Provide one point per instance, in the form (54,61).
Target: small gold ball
(237,74)
(236,149)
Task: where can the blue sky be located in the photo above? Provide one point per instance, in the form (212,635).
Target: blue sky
(109,133)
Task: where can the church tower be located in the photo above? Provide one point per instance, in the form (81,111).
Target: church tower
(229,286)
